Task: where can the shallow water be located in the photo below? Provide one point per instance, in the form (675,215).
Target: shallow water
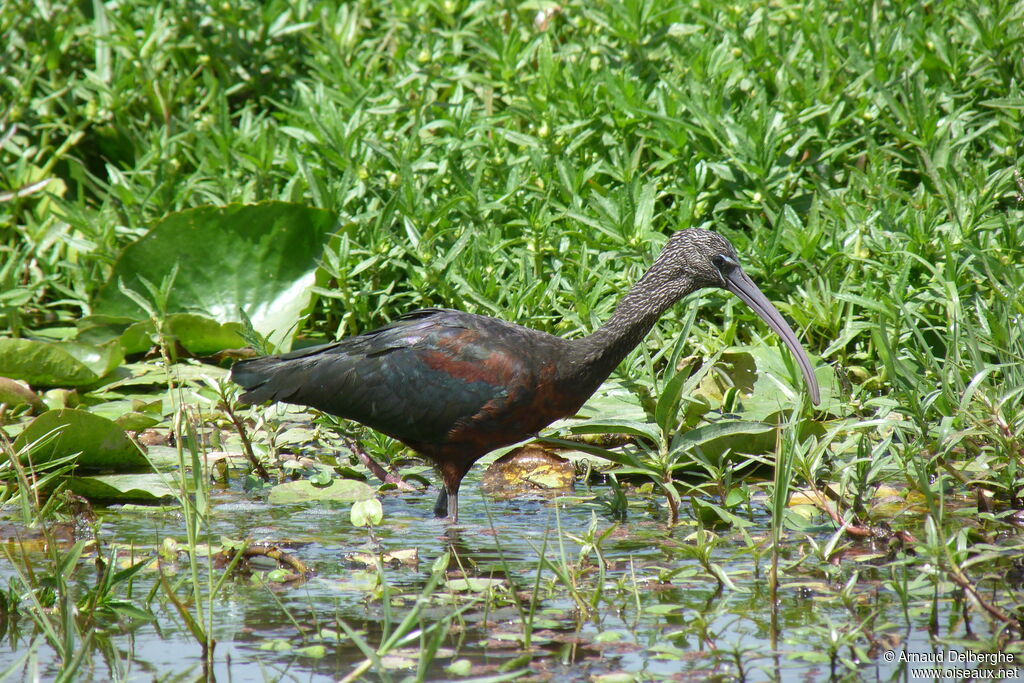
(659,615)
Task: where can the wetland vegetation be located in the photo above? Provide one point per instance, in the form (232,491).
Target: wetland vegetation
(180,182)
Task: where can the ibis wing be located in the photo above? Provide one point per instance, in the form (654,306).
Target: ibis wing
(415,379)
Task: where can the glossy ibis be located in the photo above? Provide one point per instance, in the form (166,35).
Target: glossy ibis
(453,386)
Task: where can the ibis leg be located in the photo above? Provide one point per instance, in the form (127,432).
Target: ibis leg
(441,506)
(452,470)
(447,505)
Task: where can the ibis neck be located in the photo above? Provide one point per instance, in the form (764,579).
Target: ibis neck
(634,316)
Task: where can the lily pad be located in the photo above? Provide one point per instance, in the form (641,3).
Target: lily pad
(396,662)
(260,258)
(460,667)
(121,488)
(133,415)
(97,442)
(139,376)
(617,677)
(57,365)
(276,645)
(136,421)
(409,557)
(305,491)
(100,329)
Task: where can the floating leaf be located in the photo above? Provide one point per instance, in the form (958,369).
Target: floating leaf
(409,557)
(101,329)
(121,488)
(97,442)
(662,609)
(395,662)
(55,399)
(618,677)
(276,645)
(136,422)
(139,376)
(358,580)
(261,258)
(332,635)
(115,408)
(101,360)
(197,334)
(304,491)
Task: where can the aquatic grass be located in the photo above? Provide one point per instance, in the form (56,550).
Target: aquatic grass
(202,582)
(193,497)
(787,450)
(397,635)
(75,617)
(527,612)
(565,572)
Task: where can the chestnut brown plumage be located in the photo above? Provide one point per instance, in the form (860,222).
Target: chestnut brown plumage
(454,386)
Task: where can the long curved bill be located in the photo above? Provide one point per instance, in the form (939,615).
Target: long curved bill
(740,284)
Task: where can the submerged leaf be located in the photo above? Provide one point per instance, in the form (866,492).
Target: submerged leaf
(529,468)
(474,584)
(305,491)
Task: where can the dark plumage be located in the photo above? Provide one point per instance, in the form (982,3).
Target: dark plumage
(453,386)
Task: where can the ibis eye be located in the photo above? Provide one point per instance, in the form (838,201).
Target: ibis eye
(724,262)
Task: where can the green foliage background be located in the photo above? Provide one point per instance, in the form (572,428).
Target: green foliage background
(527,160)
